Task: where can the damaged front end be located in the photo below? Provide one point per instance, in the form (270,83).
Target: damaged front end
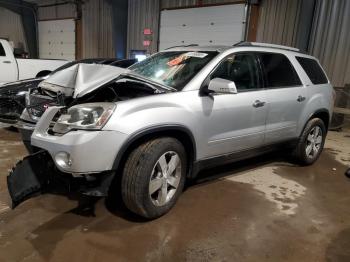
(36,174)
(12,99)
(71,109)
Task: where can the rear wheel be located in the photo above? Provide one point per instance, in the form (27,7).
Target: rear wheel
(154,176)
(311,142)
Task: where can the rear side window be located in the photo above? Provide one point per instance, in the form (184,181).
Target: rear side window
(278,71)
(313,70)
(2,51)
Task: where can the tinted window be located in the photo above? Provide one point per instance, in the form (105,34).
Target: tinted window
(278,71)
(241,69)
(2,51)
(313,70)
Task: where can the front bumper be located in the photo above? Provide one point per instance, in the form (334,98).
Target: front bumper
(36,174)
(26,130)
(88,151)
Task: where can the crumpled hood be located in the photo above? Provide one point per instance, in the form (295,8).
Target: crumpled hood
(81,79)
(18,87)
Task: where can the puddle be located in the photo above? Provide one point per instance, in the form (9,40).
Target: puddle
(3,207)
(281,191)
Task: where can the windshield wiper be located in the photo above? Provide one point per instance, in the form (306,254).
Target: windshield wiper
(155,89)
(142,78)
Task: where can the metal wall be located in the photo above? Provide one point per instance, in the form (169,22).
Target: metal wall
(184,3)
(330,39)
(11,28)
(97,29)
(97,36)
(56,12)
(278,21)
(142,14)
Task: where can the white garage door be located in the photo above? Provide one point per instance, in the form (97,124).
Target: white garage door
(214,25)
(57,39)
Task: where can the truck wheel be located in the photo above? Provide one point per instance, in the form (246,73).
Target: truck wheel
(43,73)
(154,177)
(311,142)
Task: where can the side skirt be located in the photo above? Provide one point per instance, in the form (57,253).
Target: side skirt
(239,155)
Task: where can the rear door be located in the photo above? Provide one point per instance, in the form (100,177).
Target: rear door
(285,94)
(235,122)
(8,66)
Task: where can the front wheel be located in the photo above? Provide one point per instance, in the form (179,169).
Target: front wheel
(154,177)
(311,142)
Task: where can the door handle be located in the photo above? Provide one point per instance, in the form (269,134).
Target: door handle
(258,103)
(301,98)
(7,62)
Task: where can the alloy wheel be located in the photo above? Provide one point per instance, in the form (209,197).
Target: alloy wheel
(314,142)
(165,178)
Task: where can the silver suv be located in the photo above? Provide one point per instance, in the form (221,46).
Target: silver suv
(158,123)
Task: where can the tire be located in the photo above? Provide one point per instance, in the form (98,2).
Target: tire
(143,173)
(43,73)
(347,173)
(308,139)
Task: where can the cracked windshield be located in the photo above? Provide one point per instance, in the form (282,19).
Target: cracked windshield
(174,69)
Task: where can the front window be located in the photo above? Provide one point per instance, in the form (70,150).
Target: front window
(242,69)
(173,68)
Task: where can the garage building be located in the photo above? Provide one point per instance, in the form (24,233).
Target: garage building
(263,209)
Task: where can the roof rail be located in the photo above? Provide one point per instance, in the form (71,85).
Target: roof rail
(181,46)
(243,43)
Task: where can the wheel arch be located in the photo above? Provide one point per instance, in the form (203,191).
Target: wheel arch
(182,133)
(323,114)
(43,73)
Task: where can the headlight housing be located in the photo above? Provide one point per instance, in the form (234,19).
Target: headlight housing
(92,116)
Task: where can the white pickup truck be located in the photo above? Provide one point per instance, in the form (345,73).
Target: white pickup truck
(13,69)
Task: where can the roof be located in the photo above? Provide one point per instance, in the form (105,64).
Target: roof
(219,48)
(224,48)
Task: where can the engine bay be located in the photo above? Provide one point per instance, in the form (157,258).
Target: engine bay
(40,98)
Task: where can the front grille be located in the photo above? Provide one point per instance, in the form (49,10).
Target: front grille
(38,104)
(10,108)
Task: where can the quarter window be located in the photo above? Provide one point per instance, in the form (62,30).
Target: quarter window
(241,69)
(278,71)
(2,51)
(313,70)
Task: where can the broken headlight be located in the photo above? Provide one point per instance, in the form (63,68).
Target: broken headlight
(91,116)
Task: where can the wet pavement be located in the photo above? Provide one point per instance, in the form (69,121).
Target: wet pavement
(263,209)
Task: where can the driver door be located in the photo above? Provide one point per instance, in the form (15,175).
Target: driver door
(235,122)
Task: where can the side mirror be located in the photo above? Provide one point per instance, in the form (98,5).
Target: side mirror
(222,86)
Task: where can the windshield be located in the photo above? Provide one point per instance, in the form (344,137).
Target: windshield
(173,68)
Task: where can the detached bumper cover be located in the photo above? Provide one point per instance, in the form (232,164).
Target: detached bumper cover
(27,178)
(36,174)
